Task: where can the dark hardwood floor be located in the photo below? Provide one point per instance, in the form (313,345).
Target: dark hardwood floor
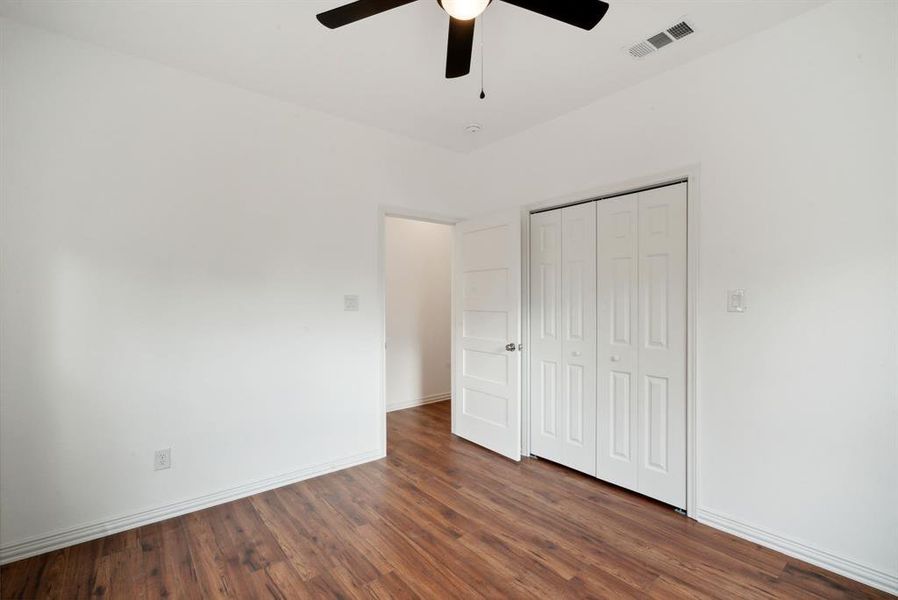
(438,518)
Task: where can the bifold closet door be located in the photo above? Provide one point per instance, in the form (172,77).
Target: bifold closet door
(545,333)
(563,329)
(617,311)
(641,346)
(662,344)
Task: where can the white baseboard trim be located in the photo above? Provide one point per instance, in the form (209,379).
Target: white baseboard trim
(843,566)
(83,533)
(418,402)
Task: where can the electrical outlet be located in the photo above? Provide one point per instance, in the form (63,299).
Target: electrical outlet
(163,459)
(351,302)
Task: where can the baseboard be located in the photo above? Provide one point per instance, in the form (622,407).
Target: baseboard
(418,402)
(843,566)
(83,533)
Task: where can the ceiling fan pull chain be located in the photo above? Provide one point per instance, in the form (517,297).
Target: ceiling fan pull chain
(482,59)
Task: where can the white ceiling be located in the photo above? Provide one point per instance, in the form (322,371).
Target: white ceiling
(387,71)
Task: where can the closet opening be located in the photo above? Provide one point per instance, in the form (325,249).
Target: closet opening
(609,303)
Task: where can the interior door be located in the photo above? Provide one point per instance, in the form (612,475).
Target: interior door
(486,332)
(562,337)
(617,347)
(662,344)
(641,349)
(545,335)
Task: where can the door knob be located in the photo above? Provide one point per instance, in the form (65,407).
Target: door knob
(511,347)
(575,353)
(615,358)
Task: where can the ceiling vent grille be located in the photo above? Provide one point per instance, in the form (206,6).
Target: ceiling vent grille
(659,40)
(680,30)
(641,49)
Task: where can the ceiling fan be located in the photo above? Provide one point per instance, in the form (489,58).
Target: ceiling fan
(462,15)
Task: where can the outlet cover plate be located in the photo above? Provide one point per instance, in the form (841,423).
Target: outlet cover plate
(162,459)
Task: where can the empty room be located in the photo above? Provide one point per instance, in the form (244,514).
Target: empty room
(448,299)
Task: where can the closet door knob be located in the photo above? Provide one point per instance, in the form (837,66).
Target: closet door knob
(615,358)
(511,347)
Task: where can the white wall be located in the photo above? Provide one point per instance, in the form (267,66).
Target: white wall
(418,260)
(175,255)
(795,133)
(165,282)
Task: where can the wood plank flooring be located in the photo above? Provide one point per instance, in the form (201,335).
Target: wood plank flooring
(438,518)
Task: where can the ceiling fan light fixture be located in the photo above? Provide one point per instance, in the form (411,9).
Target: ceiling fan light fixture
(464,10)
(463,14)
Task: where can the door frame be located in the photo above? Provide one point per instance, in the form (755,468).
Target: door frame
(691,176)
(384,211)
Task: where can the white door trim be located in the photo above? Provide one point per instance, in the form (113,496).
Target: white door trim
(384,211)
(691,175)
(525,332)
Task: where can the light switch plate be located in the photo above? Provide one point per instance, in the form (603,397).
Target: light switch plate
(736,301)
(351,302)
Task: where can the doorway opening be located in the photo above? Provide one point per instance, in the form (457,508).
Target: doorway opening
(417,321)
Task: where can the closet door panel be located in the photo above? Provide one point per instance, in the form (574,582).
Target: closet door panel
(578,406)
(545,335)
(617,348)
(662,344)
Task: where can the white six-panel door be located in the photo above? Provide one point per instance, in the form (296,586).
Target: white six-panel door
(616,375)
(545,335)
(563,399)
(617,345)
(486,402)
(662,344)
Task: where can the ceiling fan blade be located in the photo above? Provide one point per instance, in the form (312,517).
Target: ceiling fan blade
(356,11)
(584,14)
(458,50)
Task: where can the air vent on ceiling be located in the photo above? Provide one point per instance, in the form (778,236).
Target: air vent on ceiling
(680,30)
(641,49)
(659,40)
